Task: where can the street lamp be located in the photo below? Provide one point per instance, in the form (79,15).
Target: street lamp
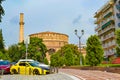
(79,37)
(27,41)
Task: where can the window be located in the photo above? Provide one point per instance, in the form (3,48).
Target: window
(22,64)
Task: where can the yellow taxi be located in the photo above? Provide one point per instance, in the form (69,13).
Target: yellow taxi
(28,68)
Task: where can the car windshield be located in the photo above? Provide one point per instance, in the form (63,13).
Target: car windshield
(33,64)
(4,63)
(36,62)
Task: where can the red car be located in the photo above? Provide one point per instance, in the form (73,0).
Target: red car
(4,66)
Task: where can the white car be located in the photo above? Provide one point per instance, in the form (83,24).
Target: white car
(25,60)
(42,65)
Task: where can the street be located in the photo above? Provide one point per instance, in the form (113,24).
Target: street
(67,74)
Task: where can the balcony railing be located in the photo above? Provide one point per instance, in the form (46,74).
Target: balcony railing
(108,45)
(118,7)
(107,24)
(107,37)
(105,30)
(108,14)
(118,24)
(118,15)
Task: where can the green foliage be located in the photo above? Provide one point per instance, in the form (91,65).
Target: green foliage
(117,33)
(68,55)
(69,59)
(46,61)
(54,60)
(36,49)
(1,10)
(14,53)
(118,51)
(76,60)
(22,49)
(109,65)
(71,49)
(1,42)
(61,61)
(94,51)
(83,60)
(3,56)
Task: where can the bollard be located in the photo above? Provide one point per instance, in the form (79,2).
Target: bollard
(57,69)
(2,71)
(50,69)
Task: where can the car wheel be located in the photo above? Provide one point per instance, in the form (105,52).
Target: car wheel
(14,71)
(36,72)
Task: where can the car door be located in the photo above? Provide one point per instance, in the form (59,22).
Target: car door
(24,68)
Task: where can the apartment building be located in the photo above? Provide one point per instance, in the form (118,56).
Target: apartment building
(107,21)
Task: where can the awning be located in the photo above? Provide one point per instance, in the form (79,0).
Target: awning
(107,15)
(107,24)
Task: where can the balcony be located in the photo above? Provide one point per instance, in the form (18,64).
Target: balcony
(106,29)
(108,15)
(118,7)
(97,28)
(108,37)
(118,15)
(118,24)
(107,24)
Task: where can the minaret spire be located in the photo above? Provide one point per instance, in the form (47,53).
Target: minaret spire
(21,31)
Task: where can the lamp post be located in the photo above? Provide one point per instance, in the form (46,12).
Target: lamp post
(79,37)
(27,41)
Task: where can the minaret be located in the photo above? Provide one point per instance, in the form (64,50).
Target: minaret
(21,31)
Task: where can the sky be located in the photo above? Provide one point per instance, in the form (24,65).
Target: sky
(62,16)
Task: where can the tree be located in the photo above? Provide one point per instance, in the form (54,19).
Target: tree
(14,53)
(94,50)
(37,49)
(46,61)
(68,55)
(3,56)
(1,10)
(71,49)
(117,33)
(1,42)
(69,58)
(56,60)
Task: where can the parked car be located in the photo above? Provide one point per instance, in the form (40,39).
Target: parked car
(5,66)
(25,60)
(27,68)
(42,65)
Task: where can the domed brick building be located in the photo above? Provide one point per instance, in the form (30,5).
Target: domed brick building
(53,40)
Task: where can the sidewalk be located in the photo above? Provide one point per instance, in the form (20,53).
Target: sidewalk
(57,76)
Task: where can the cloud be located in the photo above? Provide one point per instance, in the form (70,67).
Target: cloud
(77,20)
(14,20)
